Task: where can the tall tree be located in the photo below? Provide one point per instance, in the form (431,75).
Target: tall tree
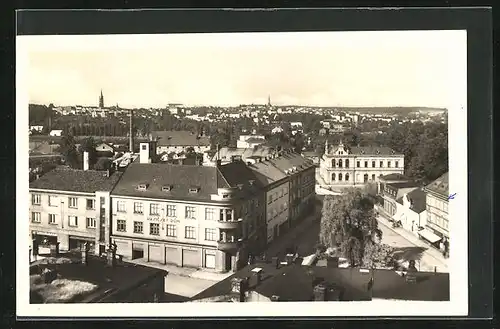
(68,150)
(348,221)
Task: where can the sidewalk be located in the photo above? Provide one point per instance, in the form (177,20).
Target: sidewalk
(430,251)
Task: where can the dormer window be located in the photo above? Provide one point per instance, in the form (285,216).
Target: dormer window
(166,188)
(142,187)
(194,189)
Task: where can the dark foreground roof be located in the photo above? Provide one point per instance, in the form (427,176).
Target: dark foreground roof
(66,179)
(394,177)
(112,282)
(296,282)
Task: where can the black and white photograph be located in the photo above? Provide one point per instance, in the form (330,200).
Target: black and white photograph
(242,168)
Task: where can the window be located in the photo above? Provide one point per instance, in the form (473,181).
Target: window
(346,177)
(445,207)
(120,206)
(347,163)
(340,163)
(357,164)
(73,202)
(154,209)
(373,177)
(171,211)
(91,222)
(103,201)
(365,178)
(194,190)
(138,227)
(154,228)
(388,164)
(229,214)
(121,225)
(142,187)
(73,221)
(373,164)
(138,208)
(36,199)
(143,147)
(340,177)
(209,214)
(90,204)
(36,217)
(52,219)
(210,234)
(333,177)
(381,164)
(166,188)
(171,230)
(190,232)
(333,163)
(397,164)
(52,201)
(190,212)
(366,164)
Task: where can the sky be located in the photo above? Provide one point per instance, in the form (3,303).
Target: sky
(406,68)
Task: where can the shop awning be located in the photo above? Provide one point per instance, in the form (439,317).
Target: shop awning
(429,236)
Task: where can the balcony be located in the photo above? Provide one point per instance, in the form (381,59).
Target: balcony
(228,244)
(229,224)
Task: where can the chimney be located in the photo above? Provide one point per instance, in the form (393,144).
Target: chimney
(257,272)
(238,288)
(131,137)
(85,253)
(320,293)
(85,160)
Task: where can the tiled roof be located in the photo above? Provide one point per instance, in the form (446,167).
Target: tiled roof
(66,179)
(179,138)
(181,178)
(273,170)
(295,283)
(369,150)
(440,185)
(417,197)
(226,153)
(394,177)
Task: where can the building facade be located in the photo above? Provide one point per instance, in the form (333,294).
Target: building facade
(351,166)
(190,216)
(437,213)
(289,185)
(69,207)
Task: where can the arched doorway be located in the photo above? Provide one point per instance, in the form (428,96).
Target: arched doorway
(365,178)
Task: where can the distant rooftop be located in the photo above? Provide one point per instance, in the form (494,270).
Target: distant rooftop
(63,178)
(179,138)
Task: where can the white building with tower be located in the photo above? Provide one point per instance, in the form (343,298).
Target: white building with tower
(344,166)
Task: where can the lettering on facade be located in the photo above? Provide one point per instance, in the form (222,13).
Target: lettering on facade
(164,220)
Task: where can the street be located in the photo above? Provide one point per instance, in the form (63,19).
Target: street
(407,250)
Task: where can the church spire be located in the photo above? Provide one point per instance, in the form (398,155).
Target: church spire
(101,100)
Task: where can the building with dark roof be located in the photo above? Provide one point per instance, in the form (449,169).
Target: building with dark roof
(437,231)
(70,207)
(188,215)
(177,141)
(351,166)
(289,181)
(96,280)
(392,192)
(264,282)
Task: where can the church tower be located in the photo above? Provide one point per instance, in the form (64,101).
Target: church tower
(269,101)
(101,101)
